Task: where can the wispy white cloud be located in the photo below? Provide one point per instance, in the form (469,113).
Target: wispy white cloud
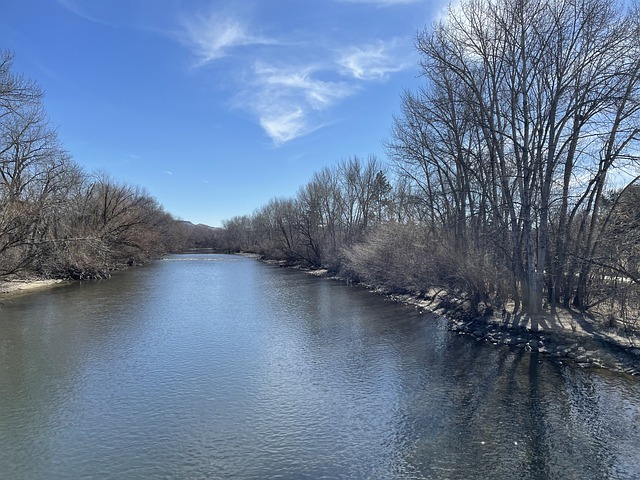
(299,82)
(374,61)
(287,96)
(288,100)
(72,7)
(210,36)
(283,122)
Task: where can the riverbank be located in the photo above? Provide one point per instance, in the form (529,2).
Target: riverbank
(578,338)
(585,340)
(21,286)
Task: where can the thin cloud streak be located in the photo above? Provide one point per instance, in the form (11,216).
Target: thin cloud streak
(211,36)
(372,62)
(74,9)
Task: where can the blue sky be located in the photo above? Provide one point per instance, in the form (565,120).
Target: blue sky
(217,106)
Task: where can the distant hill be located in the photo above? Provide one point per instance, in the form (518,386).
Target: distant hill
(199,235)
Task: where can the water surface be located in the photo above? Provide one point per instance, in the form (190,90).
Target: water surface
(220,367)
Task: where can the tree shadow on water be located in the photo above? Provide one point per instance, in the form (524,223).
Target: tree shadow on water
(498,417)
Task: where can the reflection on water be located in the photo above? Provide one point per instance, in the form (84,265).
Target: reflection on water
(213,366)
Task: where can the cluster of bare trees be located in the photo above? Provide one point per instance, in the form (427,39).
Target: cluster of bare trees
(516,165)
(334,210)
(55,219)
(528,116)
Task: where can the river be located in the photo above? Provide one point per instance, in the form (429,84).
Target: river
(222,367)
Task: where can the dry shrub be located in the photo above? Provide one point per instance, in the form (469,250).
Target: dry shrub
(406,258)
(392,257)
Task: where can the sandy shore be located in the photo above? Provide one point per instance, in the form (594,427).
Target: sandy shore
(14,287)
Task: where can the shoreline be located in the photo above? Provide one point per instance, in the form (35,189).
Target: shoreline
(10,288)
(566,336)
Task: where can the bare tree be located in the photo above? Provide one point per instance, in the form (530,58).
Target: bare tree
(529,107)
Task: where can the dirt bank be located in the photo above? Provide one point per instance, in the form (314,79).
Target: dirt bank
(15,287)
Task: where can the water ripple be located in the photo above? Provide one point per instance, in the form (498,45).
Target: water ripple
(220,367)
